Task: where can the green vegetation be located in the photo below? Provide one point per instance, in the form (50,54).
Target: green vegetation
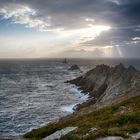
(117,120)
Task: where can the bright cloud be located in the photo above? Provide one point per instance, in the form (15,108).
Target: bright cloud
(85,34)
(23,14)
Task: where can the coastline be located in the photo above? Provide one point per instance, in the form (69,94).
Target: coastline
(90,108)
(71,109)
(86,112)
(99,118)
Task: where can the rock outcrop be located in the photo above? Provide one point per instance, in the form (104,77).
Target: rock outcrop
(74,67)
(109,84)
(98,118)
(60,133)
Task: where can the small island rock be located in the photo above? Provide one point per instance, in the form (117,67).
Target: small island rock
(74,67)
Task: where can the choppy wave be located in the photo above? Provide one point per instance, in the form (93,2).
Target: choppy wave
(33,94)
(78,93)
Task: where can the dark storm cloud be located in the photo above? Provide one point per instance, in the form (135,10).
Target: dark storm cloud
(114,36)
(69,14)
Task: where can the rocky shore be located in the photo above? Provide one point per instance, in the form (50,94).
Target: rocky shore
(111,113)
(107,85)
(115,122)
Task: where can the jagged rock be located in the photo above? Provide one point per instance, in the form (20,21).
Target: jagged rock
(120,67)
(106,83)
(60,133)
(111,138)
(131,69)
(74,67)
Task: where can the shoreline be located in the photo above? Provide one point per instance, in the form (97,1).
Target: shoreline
(97,116)
(106,105)
(68,108)
(89,106)
(83,98)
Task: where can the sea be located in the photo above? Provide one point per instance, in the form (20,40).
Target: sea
(34,92)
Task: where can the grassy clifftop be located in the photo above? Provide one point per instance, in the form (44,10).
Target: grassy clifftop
(119,119)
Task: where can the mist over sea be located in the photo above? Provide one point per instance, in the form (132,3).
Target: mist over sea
(33,92)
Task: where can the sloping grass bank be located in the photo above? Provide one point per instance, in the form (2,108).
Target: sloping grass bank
(119,119)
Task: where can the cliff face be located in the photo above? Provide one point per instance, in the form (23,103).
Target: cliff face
(106,85)
(109,84)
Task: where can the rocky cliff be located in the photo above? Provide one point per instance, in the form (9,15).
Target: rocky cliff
(97,118)
(107,84)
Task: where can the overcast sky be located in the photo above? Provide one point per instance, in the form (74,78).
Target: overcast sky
(70,28)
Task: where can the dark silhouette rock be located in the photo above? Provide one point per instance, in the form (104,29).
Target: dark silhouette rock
(74,67)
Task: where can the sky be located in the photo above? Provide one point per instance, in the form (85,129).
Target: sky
(69,28)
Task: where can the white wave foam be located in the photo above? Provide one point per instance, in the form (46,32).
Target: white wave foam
(68,108)
(82,97)
(51,85)
(74,91)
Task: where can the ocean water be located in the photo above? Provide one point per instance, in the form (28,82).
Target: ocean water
(34,92)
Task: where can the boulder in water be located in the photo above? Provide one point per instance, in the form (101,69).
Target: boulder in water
(74,67)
